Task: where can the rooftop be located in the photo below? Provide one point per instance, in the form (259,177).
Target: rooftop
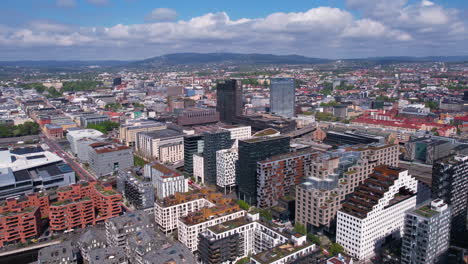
(103,147)
(279,252)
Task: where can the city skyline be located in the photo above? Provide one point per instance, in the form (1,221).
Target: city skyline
(138,29)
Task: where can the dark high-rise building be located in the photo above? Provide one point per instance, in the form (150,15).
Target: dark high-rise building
(217,251)
(117,81)
(192,145)
(450,183)
(213,141)
(282,96)
(229,100)
(252,151)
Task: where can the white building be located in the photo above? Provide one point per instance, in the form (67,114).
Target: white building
(73,136)
(226,167)
(165,145)
(254,237)
(190,226)
(198,168)
(167,211)
(165,180)
(375,210)
(297,248)
(239,132)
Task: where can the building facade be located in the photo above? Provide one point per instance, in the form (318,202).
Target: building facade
(193,144)
(165,145)
(108,158)
(136,188)
(252,151)
(282,97)
(226,160)
(229,100)
(166,181)
(375,211)
(214,141)
(426,234)
(450,183)
(332,176)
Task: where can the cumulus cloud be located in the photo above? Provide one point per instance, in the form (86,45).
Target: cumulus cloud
(161,14)
(99,2)
(66,3)
(423,28)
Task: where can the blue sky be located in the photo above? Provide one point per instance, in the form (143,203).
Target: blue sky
(134,29)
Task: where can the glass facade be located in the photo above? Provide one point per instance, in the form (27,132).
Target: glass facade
(282,96)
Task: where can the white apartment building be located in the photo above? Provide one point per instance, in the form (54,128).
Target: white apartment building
(226,167)
(167,212)
(189,227)
(286,253)
(166,181)
(254,237)
(375,210)
(198,168)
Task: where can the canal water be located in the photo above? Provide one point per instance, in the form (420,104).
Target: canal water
(20,258)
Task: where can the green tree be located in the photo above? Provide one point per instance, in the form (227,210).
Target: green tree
(80,86)
(336,248)
(243,204)
(137,161)
(104,127)
(265,213)
(432,105)
(314,239)
(300,228)
(26,129)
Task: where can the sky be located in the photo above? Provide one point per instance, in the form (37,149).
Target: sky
(139,29)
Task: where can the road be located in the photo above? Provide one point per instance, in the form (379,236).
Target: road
(82,173)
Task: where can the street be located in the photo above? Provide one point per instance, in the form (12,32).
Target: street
(82,173)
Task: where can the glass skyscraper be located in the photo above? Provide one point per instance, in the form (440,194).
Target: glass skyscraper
(282,96)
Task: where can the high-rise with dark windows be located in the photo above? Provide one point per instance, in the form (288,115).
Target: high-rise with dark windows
(252,151)
(450,183)
(193,144)
(229,100)
(214,141)
(282,96)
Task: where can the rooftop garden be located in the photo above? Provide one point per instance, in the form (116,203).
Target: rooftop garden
(425,211)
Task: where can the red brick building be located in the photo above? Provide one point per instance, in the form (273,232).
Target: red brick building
(40,200)
(84,204)
(19,224)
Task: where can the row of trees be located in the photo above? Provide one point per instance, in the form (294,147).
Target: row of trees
(67,87)
(26,129)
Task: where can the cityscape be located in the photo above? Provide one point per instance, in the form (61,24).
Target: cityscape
(325,133)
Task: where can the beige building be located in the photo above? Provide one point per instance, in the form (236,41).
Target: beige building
(128,132)
(332,176)
(165,145)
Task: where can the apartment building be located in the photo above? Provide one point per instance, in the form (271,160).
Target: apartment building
(375,211)
(166,180)
(83,204)
(136,188)
(237,239)
(19,224)
(119,228)
(95,119)
(198,165)
(168,210)
(128,132)
(426,234)
(332,176)
(298,250)
(106,158)
(63,253)
(189,227)
(226,160)
(278,175)
(450,183)
(92,239)
(165,145)
(108,255)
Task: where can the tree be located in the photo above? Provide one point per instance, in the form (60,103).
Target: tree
(314,239)
(243,204)
(299,228)
(26,129)
(104,127)
(336,248)
(265,213)
(432,105)
(139,162)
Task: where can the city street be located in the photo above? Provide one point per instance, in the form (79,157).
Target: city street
(77,167)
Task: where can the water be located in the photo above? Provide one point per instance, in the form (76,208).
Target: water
(20,258)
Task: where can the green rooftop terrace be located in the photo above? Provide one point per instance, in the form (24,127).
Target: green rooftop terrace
(426,211)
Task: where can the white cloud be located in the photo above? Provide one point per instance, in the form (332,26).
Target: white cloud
(99,2)
(161,14)
(66,3)
(417,29)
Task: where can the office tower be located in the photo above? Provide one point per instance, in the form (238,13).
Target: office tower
(334,175)
(282,96)
(450,183)
(214,141)
(192,145)
(375,212)
(252,151)
(117,81)
(226,160)
(229,100)
(426,234)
